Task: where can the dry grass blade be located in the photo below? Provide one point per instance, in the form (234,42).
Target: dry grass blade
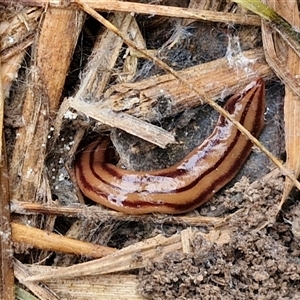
(275,62)
(288,72)
(42,239)
(99,214)
(43,292)
(100,287)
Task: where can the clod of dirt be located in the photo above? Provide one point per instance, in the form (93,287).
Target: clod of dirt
(253,266)
(260,262)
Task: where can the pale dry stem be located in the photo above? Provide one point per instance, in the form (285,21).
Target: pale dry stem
(285,63)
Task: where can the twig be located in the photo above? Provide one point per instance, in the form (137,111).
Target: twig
(150,9)
(97,213)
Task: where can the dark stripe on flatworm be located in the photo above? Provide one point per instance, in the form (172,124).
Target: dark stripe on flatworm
(178,172)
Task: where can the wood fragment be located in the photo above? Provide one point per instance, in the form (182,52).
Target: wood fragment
(139,99)
(47,76)
(55,51)
(130,65)
(9,71)
(126,122)
(17,32)
(281,22)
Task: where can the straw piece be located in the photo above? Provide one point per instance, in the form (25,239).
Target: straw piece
(288,70)
(132,257)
